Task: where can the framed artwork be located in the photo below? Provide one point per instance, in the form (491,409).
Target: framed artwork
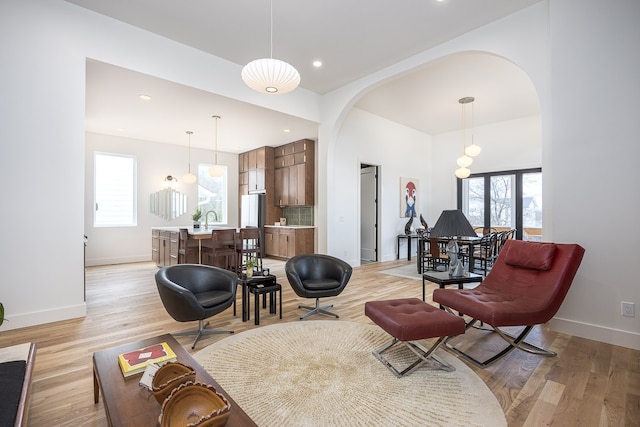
(408,197)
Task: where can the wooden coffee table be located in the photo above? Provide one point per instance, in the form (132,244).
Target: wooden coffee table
(128,404)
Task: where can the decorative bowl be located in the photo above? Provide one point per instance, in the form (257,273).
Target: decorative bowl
(169,376)
(194,404)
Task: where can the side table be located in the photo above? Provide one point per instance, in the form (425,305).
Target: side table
(246,283)
(409,238)
(442,279)
(273,290)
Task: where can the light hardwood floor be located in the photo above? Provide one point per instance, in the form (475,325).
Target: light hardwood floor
(587,384)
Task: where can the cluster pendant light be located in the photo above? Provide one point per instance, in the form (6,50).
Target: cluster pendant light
(189,178)
(472,150)
(269,75)
(216,170)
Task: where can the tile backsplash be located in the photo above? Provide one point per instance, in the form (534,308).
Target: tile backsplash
(298,215)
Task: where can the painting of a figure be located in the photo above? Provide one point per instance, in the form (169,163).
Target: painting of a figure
(409,197)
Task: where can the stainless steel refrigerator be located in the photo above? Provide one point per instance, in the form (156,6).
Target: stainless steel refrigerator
(253,213)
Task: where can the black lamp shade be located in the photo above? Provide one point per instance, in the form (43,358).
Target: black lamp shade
(452,223)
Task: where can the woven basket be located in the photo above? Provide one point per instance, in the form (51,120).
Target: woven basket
(194,404)
(169,376)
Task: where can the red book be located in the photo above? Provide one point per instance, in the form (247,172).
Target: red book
(135,362)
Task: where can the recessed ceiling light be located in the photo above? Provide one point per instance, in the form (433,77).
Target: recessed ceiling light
(317,63)
(286,130)
(144,97)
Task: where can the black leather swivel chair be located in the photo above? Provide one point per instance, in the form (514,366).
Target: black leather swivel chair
(192,292)
(317,276)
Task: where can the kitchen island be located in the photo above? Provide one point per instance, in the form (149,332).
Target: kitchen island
(165,243)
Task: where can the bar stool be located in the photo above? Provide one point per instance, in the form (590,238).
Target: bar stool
(223,249)
(249,247)
(187,254)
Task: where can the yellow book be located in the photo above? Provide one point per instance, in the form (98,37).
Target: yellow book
(135,362)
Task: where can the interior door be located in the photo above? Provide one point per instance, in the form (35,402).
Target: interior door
(368,213)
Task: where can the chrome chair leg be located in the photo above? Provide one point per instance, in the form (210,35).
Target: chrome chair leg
(513,342)
(317,310)
(202,330)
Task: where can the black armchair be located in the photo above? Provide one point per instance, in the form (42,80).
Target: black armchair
(192,292)
(317,276)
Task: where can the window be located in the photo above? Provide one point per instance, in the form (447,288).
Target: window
(115,190)
(212,194)
(504,200)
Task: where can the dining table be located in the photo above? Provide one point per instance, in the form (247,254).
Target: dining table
(468,241)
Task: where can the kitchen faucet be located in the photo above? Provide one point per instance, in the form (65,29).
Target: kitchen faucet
(206,219)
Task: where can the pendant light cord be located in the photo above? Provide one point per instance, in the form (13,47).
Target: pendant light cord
(189,133)
(216,146)
(271,40)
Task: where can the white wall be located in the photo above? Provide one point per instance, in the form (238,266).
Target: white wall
(595,154)
(112,245)
(400,152)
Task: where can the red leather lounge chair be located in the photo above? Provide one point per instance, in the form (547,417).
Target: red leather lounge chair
(525,287)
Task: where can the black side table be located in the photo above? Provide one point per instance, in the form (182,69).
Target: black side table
(247,283)
(273,290)
(409,238)
(442,279)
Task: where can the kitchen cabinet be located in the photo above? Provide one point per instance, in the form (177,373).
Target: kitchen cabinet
(164,247)
(256,175)
(287,242)
(294,174)
(256,170)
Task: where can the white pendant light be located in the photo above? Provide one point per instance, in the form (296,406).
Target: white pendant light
(474,149)
(463,173)
(216,170)
(269,75)
(465,160)
(189,178)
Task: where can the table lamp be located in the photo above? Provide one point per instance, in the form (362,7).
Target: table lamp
(452,224)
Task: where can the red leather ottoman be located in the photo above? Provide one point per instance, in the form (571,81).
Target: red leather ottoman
(408,320)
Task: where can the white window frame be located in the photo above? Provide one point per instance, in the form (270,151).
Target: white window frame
(127,178)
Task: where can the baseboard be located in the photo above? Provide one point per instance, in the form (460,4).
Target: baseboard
(17,321)
(611,336)
(120,260)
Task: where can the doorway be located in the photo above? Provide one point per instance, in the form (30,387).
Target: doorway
(368,213)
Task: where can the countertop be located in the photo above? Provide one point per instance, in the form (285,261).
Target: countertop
(289,226)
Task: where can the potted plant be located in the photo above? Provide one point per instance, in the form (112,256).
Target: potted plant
(197,215)
(250,264)
(2,319)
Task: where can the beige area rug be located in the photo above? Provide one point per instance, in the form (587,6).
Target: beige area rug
(409,271)
(322,373)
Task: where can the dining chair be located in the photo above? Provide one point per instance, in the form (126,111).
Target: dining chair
(485,252)
(436,257)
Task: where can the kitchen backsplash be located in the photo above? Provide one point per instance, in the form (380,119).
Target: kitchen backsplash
(298,215)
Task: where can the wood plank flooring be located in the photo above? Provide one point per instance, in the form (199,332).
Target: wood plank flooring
(587,384)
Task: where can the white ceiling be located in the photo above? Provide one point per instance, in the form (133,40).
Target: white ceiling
(352,41)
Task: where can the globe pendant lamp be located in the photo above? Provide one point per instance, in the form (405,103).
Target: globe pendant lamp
(269,75)
(189,178)
(216,170)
